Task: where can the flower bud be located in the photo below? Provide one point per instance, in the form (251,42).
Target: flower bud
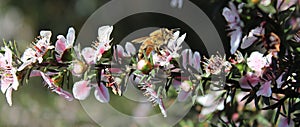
(144,66)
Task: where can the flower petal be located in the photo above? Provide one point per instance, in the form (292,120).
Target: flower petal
(81,90)
(130,48)
(104,34)
(60,45)
(15,83)
(279,81)
(8,96)
(196,60)
(180,39)
(283,122)
(46,35)
(8,56)
(70,37)
(184,54)
(249,78)
(235,39)
(4,85)
(248,41)
(88,54)
(101,93)
(63,93)
(183,95)
(265,89)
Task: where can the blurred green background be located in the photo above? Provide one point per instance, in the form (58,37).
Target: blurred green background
(34,105)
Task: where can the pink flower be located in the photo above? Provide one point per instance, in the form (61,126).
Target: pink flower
(81,89)
(265,88)
(231,15)
(36,53)
(9,80)
(62,44)
(249,78)
(257,61)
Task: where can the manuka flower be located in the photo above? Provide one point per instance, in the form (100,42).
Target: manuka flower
(231,15)
(188,58)
(81,90)
(216,64)
(120,54)
(62,44)
(9,80)
(250,80)
(258,61)
(36,53)
(103,43)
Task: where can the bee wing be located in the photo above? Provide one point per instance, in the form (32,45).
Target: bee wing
(139,40)
(157,32)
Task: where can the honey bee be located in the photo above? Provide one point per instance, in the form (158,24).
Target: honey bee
(154,41)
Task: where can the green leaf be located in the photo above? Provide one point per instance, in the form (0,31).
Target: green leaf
(267,9)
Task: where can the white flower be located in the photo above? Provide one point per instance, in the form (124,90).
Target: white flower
(36,53)
(212,102)
(174,44)
(104,41)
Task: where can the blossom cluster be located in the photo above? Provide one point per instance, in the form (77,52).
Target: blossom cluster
(259,77)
